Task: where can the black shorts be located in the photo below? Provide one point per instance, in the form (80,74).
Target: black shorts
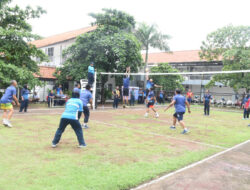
(179,115)
(125,91)
(147,91)
(150,104)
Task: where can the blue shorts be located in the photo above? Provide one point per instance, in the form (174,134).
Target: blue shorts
(179,115)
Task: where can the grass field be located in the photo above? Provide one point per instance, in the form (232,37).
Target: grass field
(124,149)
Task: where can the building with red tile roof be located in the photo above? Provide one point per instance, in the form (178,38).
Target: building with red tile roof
(46,73)
(62,37)
(174,57)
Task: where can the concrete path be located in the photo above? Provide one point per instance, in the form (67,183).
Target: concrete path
(227,171)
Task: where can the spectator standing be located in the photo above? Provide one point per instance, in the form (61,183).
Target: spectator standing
(25,98)
(116,94)
(132,97)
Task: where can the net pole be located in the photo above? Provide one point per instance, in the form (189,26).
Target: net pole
(94,91)
(201,90)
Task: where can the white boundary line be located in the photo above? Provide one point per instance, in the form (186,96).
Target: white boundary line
(160,135)
(189,166)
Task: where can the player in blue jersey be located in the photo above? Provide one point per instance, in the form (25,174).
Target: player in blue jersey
(126,81)
(86,98)
(180,103)
(151,100)
(150,83)
(71,117)
(207,101)
(77,88)
(6,102)
(25,98)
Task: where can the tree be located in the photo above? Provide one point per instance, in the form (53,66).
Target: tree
(169,82)
(149,36)
(18,58)
(112,47)
(231,45)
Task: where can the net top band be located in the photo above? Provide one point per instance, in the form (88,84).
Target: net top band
(180,73)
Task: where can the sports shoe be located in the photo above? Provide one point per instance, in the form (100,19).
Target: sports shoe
(249,125)
(5,122)
(172,127)
(85,126)
(156,115)
(53,145)
(146,115)
(82,146)
(185,131)
(8,124)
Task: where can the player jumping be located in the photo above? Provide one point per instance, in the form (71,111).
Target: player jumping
(126,87)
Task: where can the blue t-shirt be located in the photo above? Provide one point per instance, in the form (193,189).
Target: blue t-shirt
(141,93)
(161,95)
(151,96)
(50,94)
(8,95)
(126,82)
(25,94)
(77,90)
(207,98)
(180,105)
(85,97)
(73,106)
(91,69)
(244,100)
(149,84)
(58,90)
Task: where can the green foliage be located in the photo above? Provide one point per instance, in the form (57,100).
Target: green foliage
(17,55)
(231,45)
(114,20)
(169,82)
(110,47)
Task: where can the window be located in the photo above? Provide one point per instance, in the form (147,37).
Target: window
(110,87)
(51,52)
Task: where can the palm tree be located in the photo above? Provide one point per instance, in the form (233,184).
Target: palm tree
(149,36)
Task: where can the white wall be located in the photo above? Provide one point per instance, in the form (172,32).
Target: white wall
(42,91)
(58,50)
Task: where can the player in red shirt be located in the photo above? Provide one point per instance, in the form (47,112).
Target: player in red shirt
(189,96)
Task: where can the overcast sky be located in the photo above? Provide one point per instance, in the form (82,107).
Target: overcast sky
(186,21)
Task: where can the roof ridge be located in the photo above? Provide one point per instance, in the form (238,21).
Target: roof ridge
(171,51)
(67,32)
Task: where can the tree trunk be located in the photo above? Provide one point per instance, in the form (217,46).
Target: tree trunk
(102,92)
(104,79)
(146,66)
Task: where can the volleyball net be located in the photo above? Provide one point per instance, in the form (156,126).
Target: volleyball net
(219,83)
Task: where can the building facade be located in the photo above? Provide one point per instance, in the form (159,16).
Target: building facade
(189,61)
(53,47)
